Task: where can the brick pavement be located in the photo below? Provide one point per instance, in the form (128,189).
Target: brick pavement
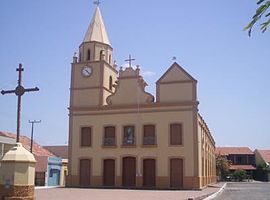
(123,194)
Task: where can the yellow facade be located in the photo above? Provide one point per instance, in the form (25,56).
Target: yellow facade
(95,104)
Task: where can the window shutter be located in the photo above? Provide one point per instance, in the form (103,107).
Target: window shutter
(149,134)
(85,136)
(176,134)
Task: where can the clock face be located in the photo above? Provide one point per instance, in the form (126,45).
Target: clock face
(86,71)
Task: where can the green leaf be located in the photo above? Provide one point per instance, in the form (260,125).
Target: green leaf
(260,1)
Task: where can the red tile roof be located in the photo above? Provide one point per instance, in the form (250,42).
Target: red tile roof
(26,142)
(60,151)
(244,167)
(265,155)
(233,150)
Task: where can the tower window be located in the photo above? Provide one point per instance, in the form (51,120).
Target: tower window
(100,54)
(88,54)
(110,59)
(110,83)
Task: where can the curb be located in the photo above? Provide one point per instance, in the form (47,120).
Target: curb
(216,193)
(46,187)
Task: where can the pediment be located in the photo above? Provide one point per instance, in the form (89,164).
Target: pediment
(176,74)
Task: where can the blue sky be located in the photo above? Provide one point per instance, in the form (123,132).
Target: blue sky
(206,37)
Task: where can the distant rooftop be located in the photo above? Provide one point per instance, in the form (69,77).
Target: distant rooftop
(265,155)
(26,142)
(60,151)
(233,150)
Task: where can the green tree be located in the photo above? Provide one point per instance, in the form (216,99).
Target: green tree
(222,166)
(262,11)
(261,172)
(239,174)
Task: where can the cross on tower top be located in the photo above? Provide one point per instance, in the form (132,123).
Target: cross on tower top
(97,2)
(129,60)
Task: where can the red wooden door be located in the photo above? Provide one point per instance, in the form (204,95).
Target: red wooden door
(129,171)
(176,173)
(85,172)
(149,173)
(108,172)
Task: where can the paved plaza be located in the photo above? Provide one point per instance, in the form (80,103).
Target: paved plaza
(123,194)
(247,191)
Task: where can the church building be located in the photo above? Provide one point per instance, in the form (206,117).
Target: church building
(122,136)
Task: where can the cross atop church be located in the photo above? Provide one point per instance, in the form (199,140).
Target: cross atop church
(129,60)
(97,2)
(19,91)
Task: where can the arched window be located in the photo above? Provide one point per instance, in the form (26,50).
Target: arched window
(88,54)
(110,83)
(110,59)
(100,54)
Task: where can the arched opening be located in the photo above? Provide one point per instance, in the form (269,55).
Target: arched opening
(88,54)
(80,57)
(110,59)
(110,83)
(100,54)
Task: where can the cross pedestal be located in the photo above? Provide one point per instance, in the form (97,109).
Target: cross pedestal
(17,174)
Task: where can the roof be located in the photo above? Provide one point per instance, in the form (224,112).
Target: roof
(233,150)
(244,167)
(26,142)
(96,30)
(60,151)
(265,154)
(7,140)
(175,73)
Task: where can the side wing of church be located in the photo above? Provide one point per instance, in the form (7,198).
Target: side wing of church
(122,136)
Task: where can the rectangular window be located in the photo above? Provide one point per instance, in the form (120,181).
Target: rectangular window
(129,135)
(109,136)
(176,134)
(149,135)
(86,133)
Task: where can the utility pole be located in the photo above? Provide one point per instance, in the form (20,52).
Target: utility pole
(32,132)
(19,91)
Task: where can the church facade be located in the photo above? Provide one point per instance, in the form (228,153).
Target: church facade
(121,136)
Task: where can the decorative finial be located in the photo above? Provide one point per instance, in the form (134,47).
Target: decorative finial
(129,60)
(174,58)
(97,2)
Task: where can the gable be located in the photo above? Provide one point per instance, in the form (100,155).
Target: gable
(176,74)
(130,89)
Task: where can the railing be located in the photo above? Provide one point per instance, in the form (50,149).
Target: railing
(129,141)
(149,140)
(109,141)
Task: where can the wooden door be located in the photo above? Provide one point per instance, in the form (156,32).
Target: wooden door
(85,172)
(149,173)
(176,173)
(108,172)
(129,171)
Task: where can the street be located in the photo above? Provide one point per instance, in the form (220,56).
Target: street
(247,191)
